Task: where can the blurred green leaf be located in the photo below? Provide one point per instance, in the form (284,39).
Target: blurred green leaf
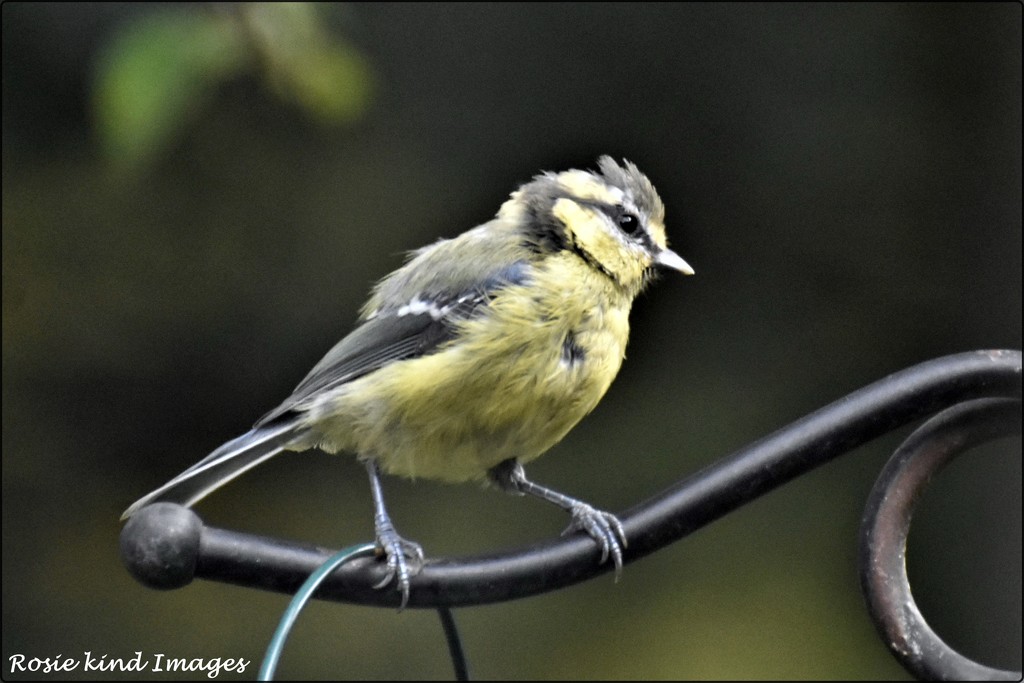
(155,75)
(305,64)
(314,83)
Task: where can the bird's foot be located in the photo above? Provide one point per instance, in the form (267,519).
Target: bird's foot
(404,558)
(604,527)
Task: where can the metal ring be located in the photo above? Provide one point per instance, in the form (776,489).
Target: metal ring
(886,523)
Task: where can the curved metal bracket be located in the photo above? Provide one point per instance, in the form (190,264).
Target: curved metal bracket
(883,540)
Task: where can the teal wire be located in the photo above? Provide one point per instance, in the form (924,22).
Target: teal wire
(302,596)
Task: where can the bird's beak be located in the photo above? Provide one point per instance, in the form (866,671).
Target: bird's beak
(667,258)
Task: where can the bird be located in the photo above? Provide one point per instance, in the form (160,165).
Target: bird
(476,356)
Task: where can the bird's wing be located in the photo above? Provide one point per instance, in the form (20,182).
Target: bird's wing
(404,328)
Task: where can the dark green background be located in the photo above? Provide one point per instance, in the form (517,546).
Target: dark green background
(845,179)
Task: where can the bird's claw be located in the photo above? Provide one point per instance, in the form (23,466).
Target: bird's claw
(404,560)
(604,527)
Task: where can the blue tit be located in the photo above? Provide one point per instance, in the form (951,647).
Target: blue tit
(477,355)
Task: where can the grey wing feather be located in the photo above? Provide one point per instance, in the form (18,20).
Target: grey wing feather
(390,336)
(221,466)
(373,344)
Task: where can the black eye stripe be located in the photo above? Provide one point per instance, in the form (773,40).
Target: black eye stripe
(635,229)
(626,221)
(631,225)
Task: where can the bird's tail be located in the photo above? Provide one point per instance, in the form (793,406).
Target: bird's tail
(221,466)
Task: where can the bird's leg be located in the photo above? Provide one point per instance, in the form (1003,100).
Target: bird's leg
(604,527)
(396,549)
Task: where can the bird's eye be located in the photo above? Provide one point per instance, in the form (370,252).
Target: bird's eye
(628,223)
